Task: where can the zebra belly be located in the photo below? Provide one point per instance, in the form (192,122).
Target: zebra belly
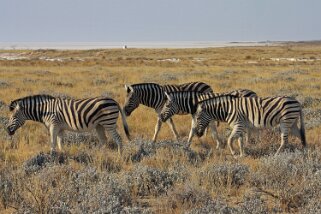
(256,125)
(84,129)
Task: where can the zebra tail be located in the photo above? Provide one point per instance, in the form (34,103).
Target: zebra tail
(125,125)
(302,130)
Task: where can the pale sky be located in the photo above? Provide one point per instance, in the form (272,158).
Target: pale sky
(159,20)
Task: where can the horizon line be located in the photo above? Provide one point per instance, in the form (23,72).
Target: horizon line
(139,44)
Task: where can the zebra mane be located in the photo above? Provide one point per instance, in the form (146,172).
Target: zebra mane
(14,103)
(138,85)
(217,97)
(190,91)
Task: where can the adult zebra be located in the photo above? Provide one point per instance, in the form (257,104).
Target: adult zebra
(254,112)
(153,96)
(187,101)
(59,114)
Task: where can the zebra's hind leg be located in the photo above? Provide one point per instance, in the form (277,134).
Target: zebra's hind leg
(116,137)
(284,136)
(296,131)
(101,135)
(172,126)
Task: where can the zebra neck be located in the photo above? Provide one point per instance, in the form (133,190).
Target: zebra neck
(188,104)
(220,110)
(38,111)
(153,100)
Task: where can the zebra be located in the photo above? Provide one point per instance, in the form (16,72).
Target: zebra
(187,101)
(59,114)
(254,112)
(153,96)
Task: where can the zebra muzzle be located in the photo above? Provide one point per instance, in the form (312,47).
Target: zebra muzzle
(127,113)
(10,132)
(199,133)
(163,118)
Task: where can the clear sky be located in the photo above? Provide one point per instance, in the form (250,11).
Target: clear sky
(159,20)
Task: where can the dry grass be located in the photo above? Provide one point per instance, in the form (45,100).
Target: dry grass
(164,177)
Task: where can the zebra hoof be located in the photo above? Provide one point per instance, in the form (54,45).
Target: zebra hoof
(242,156)
(120,150)
(53,153)
(187,147)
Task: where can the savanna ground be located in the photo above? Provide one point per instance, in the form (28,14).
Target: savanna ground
(162,177)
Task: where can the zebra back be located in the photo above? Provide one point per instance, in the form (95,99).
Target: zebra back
(191,86)
(242,93)
(234,93)
(200,87)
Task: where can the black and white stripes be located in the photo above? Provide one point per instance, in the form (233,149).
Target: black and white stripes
(59,114)
(186,102)
(153,96)
(241,109)
(244,113)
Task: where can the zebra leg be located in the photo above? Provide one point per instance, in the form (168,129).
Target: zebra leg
(233,135)
(214,134)
(172,126)
(116,137)
(240,141)
(296,131)
(284,136)
(53,138)
(101,135)
(60,140)
(247,136)
(191,133)
(157,128)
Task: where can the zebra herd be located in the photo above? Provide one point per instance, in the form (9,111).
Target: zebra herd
(241,109)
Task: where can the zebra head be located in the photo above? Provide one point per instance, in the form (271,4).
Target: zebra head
(170,107)
(17,118)
(202,120)
(131,101)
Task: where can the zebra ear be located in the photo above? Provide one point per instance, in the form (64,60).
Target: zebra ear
(14,104)
(129,88)
(199,107)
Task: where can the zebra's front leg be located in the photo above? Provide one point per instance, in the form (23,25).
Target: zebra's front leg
(231,138)
(157,128)
(60,140)
(53,138)
(116,137)
(172,127)
(240,141)
(214,134)
(191,133)
(247,136)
